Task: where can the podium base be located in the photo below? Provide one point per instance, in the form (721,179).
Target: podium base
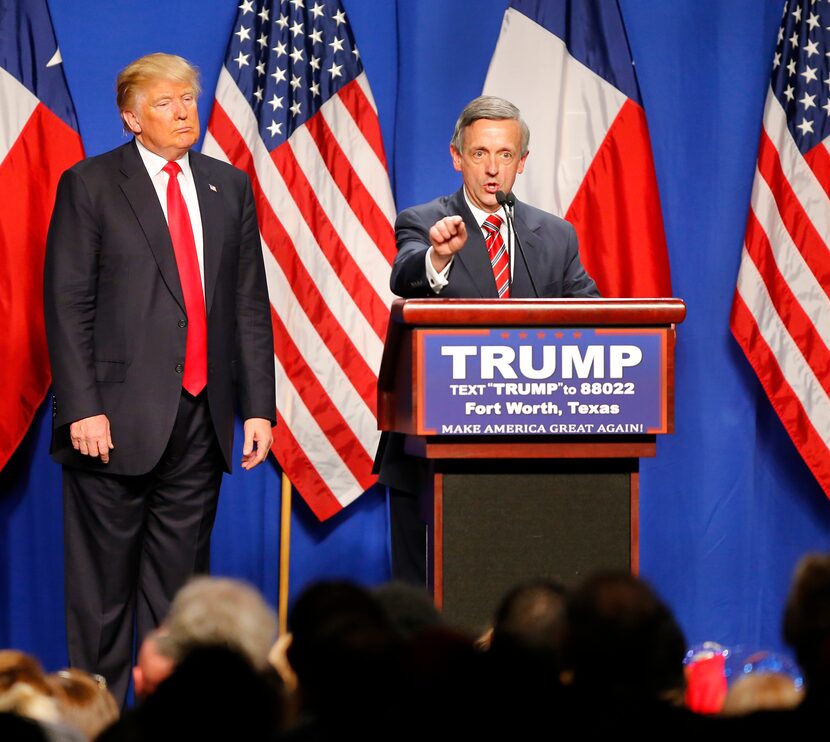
(493,524)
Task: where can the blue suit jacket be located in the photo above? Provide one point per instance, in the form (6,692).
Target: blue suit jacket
(549,243)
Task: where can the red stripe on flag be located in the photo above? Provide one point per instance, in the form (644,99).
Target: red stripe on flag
(805,236)
(29,177)
(302,473)
(818,159)
(784,400)
(304,288)
(793,316)
(363,113)
(616,213)
(369,214)
(351,276)
(320,405)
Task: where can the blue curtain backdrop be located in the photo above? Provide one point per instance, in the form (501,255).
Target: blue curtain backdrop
(727,507)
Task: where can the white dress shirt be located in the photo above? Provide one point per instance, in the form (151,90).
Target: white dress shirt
(155,169)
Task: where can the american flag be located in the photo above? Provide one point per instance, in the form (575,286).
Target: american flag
(781,310)
(590,154)
(294,110)
(38,140)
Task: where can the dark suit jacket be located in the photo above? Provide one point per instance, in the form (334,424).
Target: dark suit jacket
(549,243)
(115,317)
(550,246)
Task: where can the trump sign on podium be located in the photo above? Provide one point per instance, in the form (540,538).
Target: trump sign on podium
(534,367)
(541,380)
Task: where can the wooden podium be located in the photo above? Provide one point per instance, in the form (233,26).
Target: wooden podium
(505,508)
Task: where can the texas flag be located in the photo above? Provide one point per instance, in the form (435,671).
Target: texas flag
(38,140)
(566,64)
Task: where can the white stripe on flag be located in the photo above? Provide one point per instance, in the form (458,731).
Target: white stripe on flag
(311,347)
(566,128)
(795,271)
(361,156)
(796,370)
(211,148)
(355,238)
(801,178)
(18,105)
(363,81)
(314,443)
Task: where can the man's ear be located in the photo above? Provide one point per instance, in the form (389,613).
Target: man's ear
(456,158)
(521,165)
(138,681)
(131,121)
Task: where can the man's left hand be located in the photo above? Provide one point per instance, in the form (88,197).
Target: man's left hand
(257,431)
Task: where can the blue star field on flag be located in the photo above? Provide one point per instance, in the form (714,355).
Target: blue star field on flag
(288,58)
(801,70)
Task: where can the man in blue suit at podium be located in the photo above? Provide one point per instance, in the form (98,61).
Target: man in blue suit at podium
(478,242)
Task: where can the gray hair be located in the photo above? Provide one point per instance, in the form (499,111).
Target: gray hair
(219,611)
(494,109)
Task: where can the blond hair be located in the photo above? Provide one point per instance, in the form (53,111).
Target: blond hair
(84,701)
(761,691)
(149,68)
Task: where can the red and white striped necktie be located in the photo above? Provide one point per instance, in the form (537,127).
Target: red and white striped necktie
(499,258)
(184,246)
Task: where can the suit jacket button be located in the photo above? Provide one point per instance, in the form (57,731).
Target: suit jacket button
(182,323)
(179,368)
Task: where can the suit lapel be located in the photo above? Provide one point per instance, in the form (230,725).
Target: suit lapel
(139,190)
(528,235)
(473,258)
(212,214)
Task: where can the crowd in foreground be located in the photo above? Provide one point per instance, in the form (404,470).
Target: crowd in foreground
(604,657)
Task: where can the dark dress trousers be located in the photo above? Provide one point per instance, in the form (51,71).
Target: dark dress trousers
(138,527)
(552,252)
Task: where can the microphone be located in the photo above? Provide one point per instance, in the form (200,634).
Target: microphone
(507,202)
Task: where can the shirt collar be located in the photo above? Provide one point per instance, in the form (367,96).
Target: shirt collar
(155,163)
(480,215)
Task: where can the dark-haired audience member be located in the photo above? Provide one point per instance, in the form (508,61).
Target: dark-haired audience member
(625,652)
(447,685)
(444,683)
(345,654)
(213,694)
(807,627)
(532,617)
(410,608)
(20,728)
(525,653)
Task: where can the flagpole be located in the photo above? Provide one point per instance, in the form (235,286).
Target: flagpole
(285,553)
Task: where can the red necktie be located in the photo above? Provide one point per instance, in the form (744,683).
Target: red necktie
(499,258)
(184,246)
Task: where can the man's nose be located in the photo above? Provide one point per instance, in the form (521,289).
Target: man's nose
(180,110)
(492,165)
